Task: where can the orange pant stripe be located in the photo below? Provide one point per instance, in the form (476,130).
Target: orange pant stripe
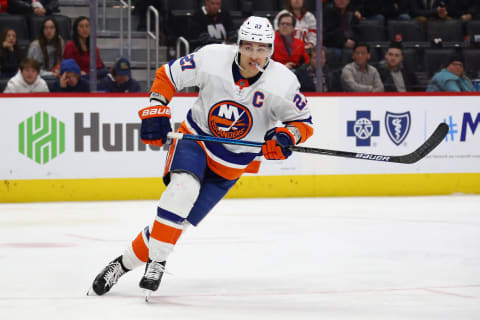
(164,233)
(140,248)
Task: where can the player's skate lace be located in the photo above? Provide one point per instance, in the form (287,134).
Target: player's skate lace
(114,272)
(153,275)
(154,271)
(109,276)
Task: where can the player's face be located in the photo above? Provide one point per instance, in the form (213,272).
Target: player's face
(252,54)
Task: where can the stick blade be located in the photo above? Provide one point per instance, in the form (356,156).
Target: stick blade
(432,142)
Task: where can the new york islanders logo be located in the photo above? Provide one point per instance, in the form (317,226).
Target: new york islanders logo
(397,125)
(229,119)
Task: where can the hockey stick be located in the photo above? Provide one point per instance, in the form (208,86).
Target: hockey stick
(432,142)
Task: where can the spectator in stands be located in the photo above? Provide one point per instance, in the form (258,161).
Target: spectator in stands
(70,78)
(289,51)
(79,48)
(210,24)
(27,80)
(47,49)
(10,53)
(36,7)
(359,76)
(452,78)
(306,24)
(307,74)
(338,24)
(380,9)
(461,9)
(393,73)
(423,10)
(120,80)
(3,6)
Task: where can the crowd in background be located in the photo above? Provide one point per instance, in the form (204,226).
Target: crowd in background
(50,63)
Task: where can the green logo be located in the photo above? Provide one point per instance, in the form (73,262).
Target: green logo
(41,137)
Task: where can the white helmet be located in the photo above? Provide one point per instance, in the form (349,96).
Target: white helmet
(256,29)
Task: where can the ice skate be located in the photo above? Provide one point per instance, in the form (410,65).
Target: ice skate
(151,279)
(108,277)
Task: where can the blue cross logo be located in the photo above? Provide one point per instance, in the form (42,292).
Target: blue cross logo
(363,128)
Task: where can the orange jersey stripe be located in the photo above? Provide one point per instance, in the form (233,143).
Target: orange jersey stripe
(306,131)
(164,233)
(220,169)
(162,84)
(171,152)
(253,166)
(140,248)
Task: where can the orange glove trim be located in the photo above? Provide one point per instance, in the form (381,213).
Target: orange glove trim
(272,151)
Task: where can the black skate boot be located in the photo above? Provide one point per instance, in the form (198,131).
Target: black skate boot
(108,277)
(152,277)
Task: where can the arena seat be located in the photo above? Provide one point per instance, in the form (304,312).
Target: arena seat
(473,32)
(265,6)
(371,31)
(64,26)
(450,31)
(436,58)
(472,61)
(406,31)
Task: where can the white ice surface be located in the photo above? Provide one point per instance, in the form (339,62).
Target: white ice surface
(315,258)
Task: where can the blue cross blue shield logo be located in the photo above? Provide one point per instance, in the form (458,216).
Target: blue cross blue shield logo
(398,126)
(363,128)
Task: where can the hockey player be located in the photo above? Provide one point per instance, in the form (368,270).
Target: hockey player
(243,95)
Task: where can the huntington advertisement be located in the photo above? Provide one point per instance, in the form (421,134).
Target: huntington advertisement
(98,137)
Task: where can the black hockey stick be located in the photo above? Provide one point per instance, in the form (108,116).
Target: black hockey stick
(432,142)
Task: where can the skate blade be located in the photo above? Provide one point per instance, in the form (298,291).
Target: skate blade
(91,292)
(148,294)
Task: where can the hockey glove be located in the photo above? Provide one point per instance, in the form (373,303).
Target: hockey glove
(155,124)
(276,142)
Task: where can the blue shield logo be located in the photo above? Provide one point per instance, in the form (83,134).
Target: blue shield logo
(398,126)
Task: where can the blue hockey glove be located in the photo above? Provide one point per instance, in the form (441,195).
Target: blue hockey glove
(276,142)
(155,124)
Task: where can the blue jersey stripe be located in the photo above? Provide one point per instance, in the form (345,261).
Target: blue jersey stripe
(219,150)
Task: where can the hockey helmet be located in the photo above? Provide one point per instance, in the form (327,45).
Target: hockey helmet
(257,29)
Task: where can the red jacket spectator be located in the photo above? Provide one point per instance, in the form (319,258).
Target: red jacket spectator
(293,52)
(83,60)
(3,5)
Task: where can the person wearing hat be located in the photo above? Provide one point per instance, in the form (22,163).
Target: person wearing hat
(70,78)
(120,80)
(452,78)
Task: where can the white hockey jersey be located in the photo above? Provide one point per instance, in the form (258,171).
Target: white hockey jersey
(305,27)
(223,109)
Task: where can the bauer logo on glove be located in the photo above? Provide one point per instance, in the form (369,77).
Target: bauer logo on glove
(155,124)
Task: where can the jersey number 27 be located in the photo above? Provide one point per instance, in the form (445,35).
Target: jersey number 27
(187,62)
